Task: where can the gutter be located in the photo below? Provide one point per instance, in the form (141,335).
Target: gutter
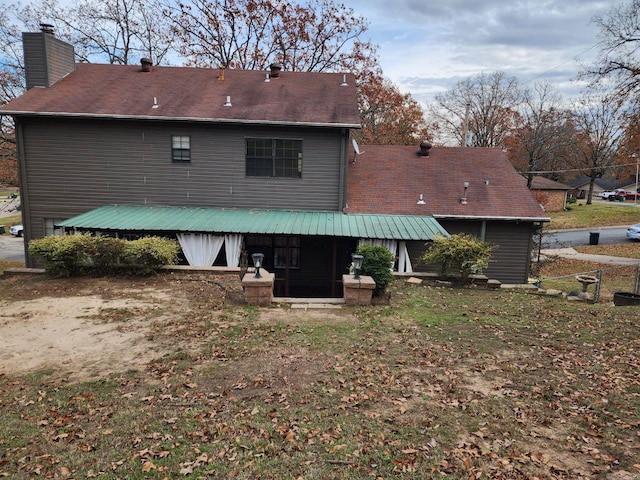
(479,217)
(177,119)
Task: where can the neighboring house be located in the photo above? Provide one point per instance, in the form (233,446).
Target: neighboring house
(552,195)
(580,186)
(468,190)
(630,184)
(227,161)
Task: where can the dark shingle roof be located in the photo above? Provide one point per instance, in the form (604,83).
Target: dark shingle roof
(196,94)
(390,179)
(542,183)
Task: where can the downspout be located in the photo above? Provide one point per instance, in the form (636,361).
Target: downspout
(342,195)
(24,190)
(530,248)
(483,230)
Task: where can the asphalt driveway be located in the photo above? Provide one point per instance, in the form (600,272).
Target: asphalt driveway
(11,248)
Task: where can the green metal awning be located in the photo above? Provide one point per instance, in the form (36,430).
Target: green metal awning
(249,221)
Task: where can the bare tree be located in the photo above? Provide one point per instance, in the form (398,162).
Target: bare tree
(597,122)
(484,107)
(113,31)
(619,60)
(542,134)
(318,36)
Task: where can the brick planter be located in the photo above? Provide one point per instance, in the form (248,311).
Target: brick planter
(258,291)
(358,291)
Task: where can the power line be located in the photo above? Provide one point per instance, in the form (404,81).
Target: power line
(540,172)
(575,58)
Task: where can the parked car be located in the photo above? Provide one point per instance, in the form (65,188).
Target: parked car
(608,193)
(16,230)
(622,195)
(633,232)
(612,194)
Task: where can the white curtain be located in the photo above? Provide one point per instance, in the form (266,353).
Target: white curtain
(404,262)
(200,249)
(391,245)
(232,245)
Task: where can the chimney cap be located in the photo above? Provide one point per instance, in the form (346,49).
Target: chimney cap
(46,28)
(275,69)
(425,146)
(146,63)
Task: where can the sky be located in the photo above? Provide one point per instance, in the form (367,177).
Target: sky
(426,46)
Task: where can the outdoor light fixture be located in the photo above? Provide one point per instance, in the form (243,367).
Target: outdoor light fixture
(357,265)
(420,200)
(257,262)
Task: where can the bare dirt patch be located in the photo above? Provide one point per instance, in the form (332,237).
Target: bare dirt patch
(89,328)
(67,335)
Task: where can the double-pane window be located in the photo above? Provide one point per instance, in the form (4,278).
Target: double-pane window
(274,158)
(180,148)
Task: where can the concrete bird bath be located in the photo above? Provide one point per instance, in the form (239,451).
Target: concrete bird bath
(586,280)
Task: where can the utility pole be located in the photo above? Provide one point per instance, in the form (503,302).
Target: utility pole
(465,131)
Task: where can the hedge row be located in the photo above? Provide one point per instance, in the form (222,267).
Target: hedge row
(84,254)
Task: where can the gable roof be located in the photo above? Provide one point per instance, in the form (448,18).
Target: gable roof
(195,94)
(543,183)
(604,183)
(390,180)
(249,221)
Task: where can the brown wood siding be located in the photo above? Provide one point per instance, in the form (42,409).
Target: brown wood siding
(511,258)
(35,60)
(47,59)
(74,166)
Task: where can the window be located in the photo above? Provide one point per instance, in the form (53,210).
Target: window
(276,249)
(180,148)
(284,246)
(274,158)
(50,228)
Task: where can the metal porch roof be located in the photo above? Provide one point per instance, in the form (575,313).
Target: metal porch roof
(249,221)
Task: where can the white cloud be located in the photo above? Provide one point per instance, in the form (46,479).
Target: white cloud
(426,46)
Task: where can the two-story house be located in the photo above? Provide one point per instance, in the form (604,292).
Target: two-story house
(225,160)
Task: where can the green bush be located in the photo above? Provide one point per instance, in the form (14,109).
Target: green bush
(71,255)
(64,256)
(106,255)
(460,254)
(377,262)
(150,253)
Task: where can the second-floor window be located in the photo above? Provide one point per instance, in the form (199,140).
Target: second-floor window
(268,157)
(180,148)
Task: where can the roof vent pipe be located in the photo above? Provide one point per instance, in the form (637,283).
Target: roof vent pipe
(146,64)
(424,148)
(275,70)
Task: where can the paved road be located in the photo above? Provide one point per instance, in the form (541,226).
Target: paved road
(578,237)
(11,248)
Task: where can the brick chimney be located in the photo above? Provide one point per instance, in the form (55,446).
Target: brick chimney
(47,59)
